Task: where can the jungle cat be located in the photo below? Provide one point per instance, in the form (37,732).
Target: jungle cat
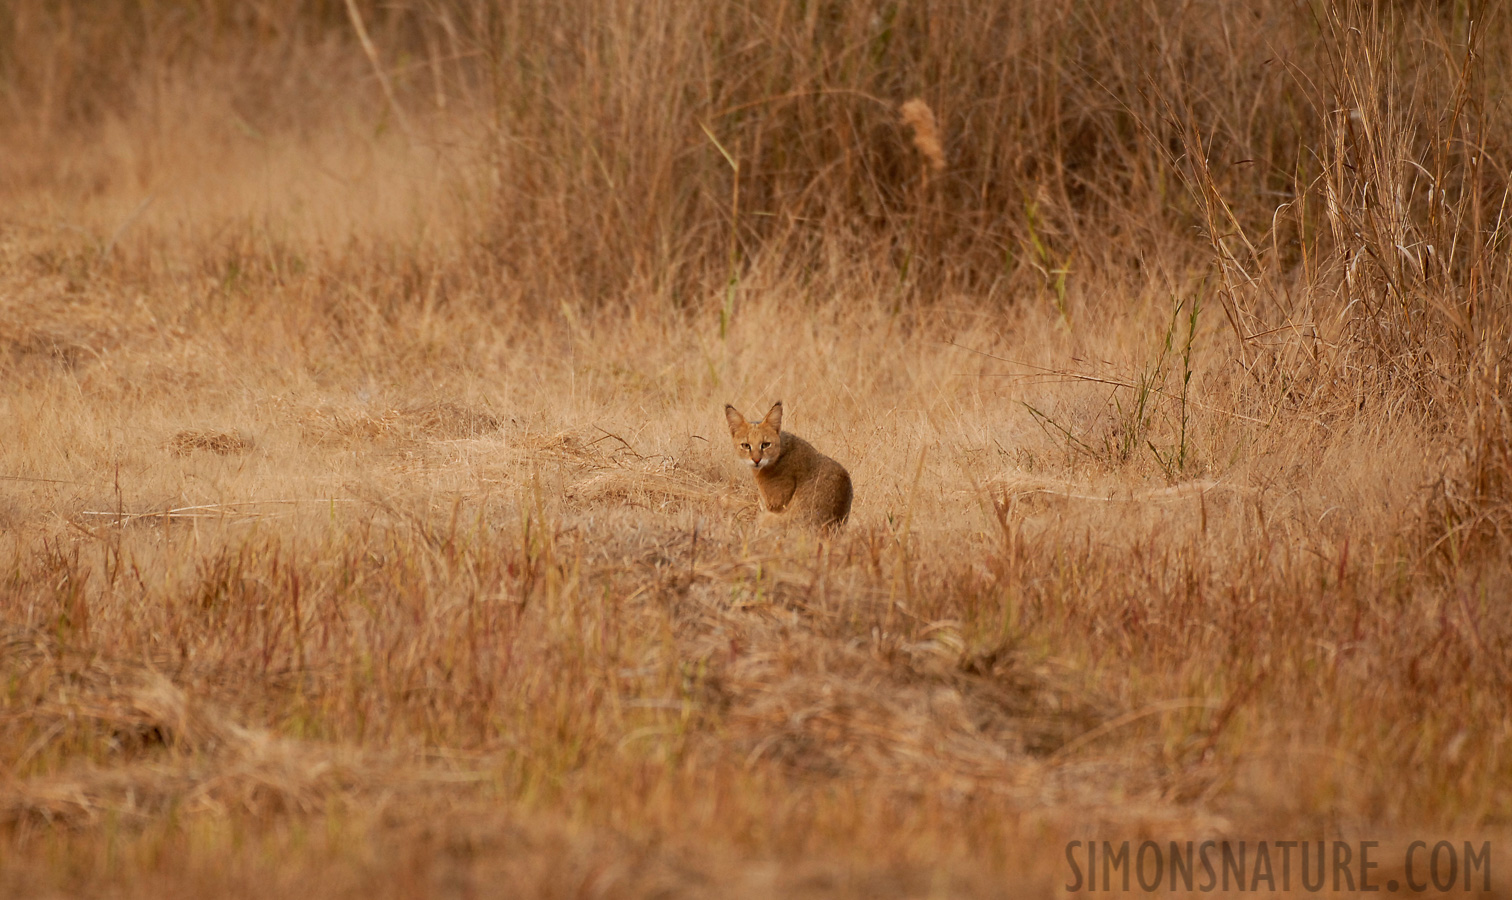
(795,482)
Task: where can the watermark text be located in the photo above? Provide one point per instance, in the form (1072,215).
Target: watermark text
(1309,866)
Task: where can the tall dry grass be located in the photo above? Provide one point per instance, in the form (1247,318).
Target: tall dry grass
(367,528)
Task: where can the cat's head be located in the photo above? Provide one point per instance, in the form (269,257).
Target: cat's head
(758,444)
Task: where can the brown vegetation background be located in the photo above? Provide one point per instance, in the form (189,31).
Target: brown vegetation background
(368,527)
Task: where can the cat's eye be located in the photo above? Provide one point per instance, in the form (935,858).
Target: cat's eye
(745,446)
(765,444)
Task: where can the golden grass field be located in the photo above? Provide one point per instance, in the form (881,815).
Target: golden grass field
(369,525)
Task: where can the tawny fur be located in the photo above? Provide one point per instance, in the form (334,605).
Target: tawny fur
(794,481)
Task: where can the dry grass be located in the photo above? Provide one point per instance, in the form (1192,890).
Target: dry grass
(368,527)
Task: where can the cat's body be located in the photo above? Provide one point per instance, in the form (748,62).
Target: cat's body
(795,482)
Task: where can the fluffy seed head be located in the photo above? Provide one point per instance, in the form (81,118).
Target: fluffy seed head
(926,133)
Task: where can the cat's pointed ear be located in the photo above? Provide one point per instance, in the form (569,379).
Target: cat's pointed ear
(774,416)
(733,416)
